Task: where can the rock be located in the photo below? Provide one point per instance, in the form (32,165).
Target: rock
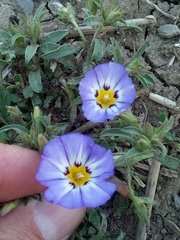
(168,31)
(163,231)
(26,7)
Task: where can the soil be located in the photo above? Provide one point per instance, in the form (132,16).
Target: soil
(156,59)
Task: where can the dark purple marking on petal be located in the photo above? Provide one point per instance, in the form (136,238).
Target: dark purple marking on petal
(99,105)
(112,105)
(72,184)
(116,94)
(88,170)
(96,93)
(106,87)
(77,164)
(67,171)
(86,183)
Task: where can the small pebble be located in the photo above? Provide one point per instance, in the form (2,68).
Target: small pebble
(163,231)
(26,6)
(168,30)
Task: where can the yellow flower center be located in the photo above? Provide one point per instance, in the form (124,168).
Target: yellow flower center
(78,175)
(105,98)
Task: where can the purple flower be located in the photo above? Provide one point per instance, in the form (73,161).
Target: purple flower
(106,91)
(75,169)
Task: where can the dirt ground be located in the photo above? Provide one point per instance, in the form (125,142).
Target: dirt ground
(156,59)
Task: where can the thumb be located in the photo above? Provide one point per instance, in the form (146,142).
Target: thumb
(40,220)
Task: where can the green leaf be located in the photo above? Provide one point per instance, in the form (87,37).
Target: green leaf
(16,36)
(68,63)
(36,101)
(48,47)
(49,99)
(62,51)
(35,81)
(3,63)
(116,132)
(164,128)
(121,235)
(39,12)
(161,146)
(168,161)
(4,102)
(131,130)
(162,117)
(16,127)
(102,229)
(55,36)
(149,80)
(15,98)
(129,133)
(143,81)
(132,157)
(147,200)
(99,50)
(92,21)
(140,210)
(133,152)
(98,3)
(140,51)
(30,51)
(5,36)
(95,218)
(28,92)
(117,54)
(126,25)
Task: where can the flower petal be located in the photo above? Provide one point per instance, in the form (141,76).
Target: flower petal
(72,199)
(100,162)
(77,147)
(110,73)
(97,115)
(91,79)
(126,95)
(57,191)
(96,194)
(55,153)
(48,170)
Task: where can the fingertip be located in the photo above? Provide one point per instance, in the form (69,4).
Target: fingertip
(56,222)
(18,169)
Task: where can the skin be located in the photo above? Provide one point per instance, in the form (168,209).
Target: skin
(18,167)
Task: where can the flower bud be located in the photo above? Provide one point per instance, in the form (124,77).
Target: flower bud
(14,112)
(7,207)
(143,143)
(111,16)
(63,13)
(37,112)
(129,118)
(148,130)
(41,141)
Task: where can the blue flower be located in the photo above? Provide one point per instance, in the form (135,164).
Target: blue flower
(106,91)
(75,169)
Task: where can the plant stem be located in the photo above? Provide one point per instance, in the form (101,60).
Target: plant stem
(87,126)
(73,113)
(129,182)
(73,21)
(91,48)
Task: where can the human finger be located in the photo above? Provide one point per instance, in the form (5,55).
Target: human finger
(40,220)
(18,167)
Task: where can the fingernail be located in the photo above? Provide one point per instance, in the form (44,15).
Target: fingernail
(55,222)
